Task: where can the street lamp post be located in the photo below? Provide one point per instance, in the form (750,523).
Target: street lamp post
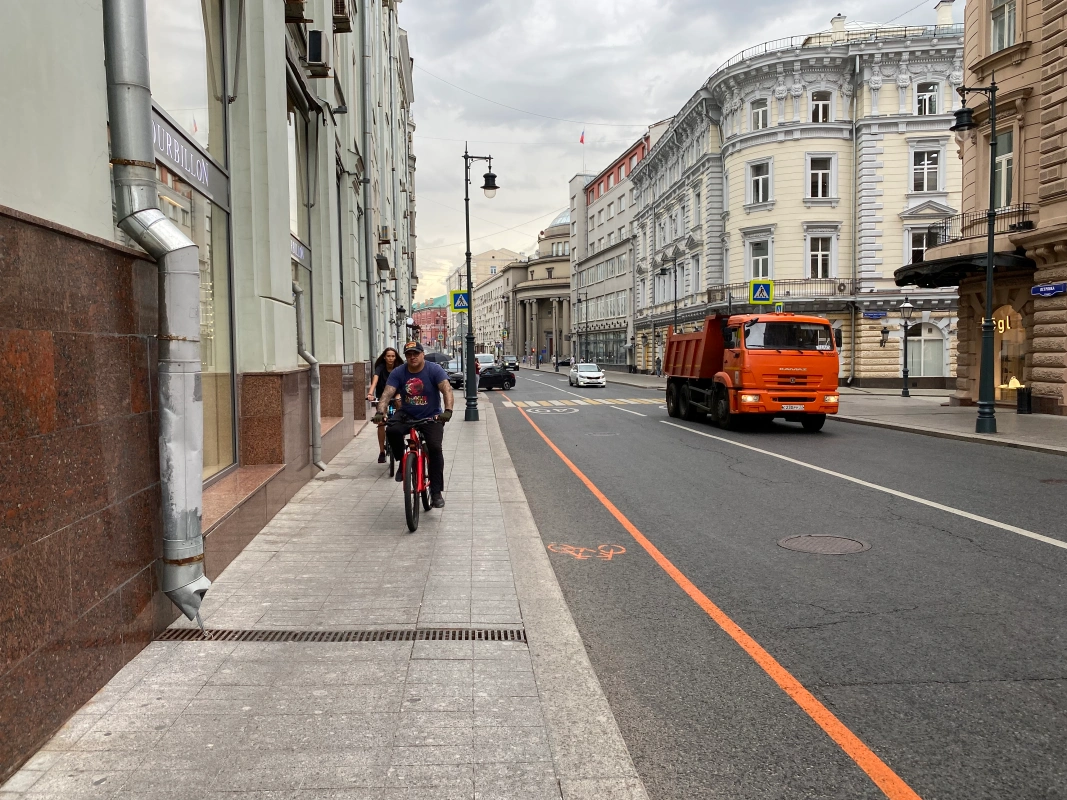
(906,310)
(987,419)
(489,187)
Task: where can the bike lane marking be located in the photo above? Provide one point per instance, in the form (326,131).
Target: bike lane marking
(891,784)
(877,487)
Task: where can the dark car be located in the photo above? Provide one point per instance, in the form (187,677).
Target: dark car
(565,362)
(455,374)
(511,363)
(496,377)
(438,358)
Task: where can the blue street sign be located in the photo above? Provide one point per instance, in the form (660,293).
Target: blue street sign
(1048,289)
(460,300)
(761,292)
(779,308)
(875,314)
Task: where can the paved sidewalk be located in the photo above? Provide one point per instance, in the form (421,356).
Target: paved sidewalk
(253,720)
(929,414)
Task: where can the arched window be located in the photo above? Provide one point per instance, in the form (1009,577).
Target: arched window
(926,351)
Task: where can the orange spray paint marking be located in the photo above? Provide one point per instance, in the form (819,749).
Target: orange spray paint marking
(877,770)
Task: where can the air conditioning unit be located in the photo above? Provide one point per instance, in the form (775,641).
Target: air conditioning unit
(385,235)
(318,63)
(842,287)
(294,11)
(342,16)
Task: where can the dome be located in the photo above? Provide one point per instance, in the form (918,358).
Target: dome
(562,218)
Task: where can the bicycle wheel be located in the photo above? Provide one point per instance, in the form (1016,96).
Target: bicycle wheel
(411,491)
(425,494)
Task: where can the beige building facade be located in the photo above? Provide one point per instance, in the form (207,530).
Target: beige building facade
(1021,42)
(483,266)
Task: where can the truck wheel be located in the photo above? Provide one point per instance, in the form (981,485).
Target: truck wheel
(685,406)
(672,400)
(720,409)
(813,422)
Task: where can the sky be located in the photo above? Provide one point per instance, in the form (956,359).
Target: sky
(608,67)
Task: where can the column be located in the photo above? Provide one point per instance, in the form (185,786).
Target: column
(555,326)
(566,326)
(535,343)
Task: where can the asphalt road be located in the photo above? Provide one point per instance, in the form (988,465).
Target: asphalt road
(942,647)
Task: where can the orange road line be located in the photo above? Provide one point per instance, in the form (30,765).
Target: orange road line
(888,781)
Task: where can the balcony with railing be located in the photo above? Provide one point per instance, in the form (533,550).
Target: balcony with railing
(975,224)
(786,290)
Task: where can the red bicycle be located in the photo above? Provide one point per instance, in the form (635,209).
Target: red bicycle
(414,466)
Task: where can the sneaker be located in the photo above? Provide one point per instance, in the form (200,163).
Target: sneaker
(437,500)
(381,457)
(399,473)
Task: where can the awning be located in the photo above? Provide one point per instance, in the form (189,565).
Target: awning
(950,271)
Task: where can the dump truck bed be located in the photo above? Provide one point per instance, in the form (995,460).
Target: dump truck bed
(695,355)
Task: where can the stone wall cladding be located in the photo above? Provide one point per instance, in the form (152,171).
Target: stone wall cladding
(1053,177)
(79,473)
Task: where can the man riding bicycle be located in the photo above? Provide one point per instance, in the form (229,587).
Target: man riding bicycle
(421,387)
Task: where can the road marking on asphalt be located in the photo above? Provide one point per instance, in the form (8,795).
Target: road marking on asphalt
(508,404)
(556,402)
(888,781)
(604,552)
(628,411)
(915,499)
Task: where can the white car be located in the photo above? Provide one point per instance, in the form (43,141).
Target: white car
(587,375)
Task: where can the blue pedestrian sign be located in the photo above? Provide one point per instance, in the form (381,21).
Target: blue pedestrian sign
(761,292)
(1048,289)
(460,300)
(779,308)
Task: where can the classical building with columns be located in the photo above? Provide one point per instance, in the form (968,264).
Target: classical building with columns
(1022,42)
(536,297)
(820,162)
(483,266)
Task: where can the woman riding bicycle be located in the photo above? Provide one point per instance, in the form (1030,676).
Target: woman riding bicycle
(386,363)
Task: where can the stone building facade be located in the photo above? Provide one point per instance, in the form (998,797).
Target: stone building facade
(483,265)
(819,163)
(1021,42)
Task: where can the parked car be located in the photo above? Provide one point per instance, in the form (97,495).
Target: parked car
(455,374)
(587,375)
(565,362)
(512,363)
(496,376)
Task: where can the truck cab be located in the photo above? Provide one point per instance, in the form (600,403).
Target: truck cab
(755,366)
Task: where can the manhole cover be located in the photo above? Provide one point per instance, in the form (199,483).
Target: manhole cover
(823,545)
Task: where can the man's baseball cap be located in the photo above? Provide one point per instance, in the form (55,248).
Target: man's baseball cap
(416,346)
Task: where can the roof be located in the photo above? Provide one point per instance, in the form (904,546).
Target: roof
(563,218)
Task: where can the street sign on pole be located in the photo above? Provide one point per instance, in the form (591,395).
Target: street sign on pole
(459,300)
(779,308)
(761,292)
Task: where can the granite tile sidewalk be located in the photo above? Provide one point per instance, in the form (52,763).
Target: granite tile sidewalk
(207,720)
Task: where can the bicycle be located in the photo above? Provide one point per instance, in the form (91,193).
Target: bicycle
(415,466)
(390,411)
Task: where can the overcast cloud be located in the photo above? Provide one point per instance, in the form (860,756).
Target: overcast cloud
(627,63)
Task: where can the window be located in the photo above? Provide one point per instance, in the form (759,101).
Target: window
(921,241)
(760,115)
(1002,172)
(1003,28)
(819,173)
(600,217)
(492,270)
(759,258)
(696,208)
(760,182)
(566,248)
(611,210)
(631,198)
(549,271)
(633,162)
(611,180)
(926,99)
(819,253)
(611,238)
(622,203)
(924,170)
(820,106)
(926,351)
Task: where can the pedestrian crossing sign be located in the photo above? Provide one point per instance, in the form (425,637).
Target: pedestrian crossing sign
(460,300)
(761,292)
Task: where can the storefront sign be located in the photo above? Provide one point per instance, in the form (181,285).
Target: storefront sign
(1049,289)
(175,150)
(875,314)
(298,250)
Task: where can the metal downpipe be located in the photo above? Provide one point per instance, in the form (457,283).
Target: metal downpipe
(181,407)
(370,265)
(316,396)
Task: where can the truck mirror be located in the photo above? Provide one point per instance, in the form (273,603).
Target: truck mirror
(838,338)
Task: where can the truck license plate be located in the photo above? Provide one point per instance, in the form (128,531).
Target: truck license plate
(792,408)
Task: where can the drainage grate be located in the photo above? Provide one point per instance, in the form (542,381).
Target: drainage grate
(419,635)
(823,545)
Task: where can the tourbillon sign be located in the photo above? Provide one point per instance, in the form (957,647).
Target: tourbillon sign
(175,150)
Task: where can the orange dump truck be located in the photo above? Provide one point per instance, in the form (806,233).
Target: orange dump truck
(756,367)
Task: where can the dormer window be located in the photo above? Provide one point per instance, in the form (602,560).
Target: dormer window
(820,106)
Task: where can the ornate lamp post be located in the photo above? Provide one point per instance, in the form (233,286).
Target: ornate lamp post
(906,310)
(987,420)
(489,187)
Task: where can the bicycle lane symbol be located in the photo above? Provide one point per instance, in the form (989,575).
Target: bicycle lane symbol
(604,552)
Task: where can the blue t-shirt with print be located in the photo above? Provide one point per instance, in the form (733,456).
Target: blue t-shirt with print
(419,396)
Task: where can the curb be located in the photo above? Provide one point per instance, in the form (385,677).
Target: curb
(974,438)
